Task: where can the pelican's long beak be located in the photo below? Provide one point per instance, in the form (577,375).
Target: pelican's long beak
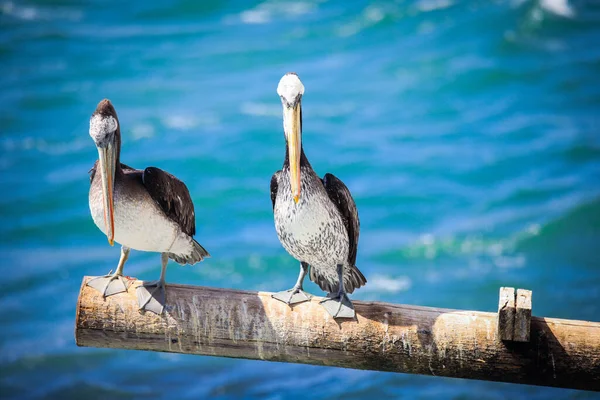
(292,126)
(107,157)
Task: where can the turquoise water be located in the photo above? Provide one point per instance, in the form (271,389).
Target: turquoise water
(467,133)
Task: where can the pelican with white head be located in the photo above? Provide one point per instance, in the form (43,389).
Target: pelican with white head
(320,229)
(291,90)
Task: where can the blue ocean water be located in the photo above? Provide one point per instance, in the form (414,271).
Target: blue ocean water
(466,131)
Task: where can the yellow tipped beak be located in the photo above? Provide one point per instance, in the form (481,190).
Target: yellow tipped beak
(106,156)
(291,122)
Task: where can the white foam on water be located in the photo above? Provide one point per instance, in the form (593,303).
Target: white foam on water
(180,122)
(269,10)
(261,109)
(368,17)
(558,7)
(383,283)
(33,13)
(142,131)
(431,5)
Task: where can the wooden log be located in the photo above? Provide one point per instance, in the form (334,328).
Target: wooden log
(384,337)
(522,316)
(506,313)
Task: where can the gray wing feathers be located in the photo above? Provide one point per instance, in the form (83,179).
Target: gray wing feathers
(340,196)
(353,279)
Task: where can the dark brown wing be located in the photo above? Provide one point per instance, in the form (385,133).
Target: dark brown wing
(172,196)
(341,197)
(274,187)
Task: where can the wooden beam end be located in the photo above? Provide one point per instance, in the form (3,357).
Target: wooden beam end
(522,316)
(506,313)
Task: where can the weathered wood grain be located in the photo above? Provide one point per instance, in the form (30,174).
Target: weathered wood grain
(506,313)
(522,316)
(384,337)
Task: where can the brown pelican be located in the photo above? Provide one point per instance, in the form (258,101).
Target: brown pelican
(149,210)
(316,219)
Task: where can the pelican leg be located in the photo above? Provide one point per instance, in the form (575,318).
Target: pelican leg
(110,284)
(152,295)
(339,305)
(296,294)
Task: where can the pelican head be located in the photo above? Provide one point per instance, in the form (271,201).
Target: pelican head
(104,126)
(291,90)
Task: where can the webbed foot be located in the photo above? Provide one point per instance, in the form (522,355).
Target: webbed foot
(152,296)
(292,296)
(339,306)
(110,284)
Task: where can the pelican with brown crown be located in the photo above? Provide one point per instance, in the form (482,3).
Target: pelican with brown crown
(147,210)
